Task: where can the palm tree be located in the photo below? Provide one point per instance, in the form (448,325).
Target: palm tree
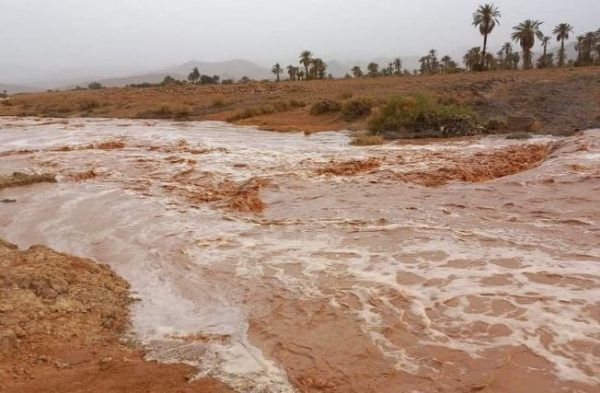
(473,58)
(373,69)
(486,18)
(544,59)
(318,68)
(292,71)
(277,70)
(525,34)
(398,66)
(562,32)
(515,58)
(306,60)
(357,72)
(508,50)
(433,62)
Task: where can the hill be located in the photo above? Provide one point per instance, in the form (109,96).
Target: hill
(13,89)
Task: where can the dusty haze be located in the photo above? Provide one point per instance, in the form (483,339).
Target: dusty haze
(42,40)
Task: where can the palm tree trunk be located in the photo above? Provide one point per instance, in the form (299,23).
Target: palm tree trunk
(561,59)
(484,49)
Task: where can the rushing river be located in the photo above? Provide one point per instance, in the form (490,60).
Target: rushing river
(343,283)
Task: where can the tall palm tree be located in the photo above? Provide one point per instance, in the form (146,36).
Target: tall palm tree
(277,70)
(433,61)
(306,60)
(515,58)
(507,51)
(562,32)
(579,48)
(398,66)
(525,34)
(292,71)
(357,72)
(318,68)
(486,17)
(545,42)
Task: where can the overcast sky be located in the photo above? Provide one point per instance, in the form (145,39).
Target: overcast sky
(133,35)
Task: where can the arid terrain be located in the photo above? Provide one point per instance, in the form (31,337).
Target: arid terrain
(290,262)
(562,100)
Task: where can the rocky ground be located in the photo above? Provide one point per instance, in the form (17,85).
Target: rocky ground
(62,326)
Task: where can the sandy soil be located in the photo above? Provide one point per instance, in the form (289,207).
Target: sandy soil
(561,99)
(62,326)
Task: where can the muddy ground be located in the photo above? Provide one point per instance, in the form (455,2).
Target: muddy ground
(63,322)
(562,100)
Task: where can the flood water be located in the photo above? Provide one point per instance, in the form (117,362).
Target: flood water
(357,283)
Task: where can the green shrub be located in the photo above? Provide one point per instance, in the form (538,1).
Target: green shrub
(357,108)
(325,106)
(418,116)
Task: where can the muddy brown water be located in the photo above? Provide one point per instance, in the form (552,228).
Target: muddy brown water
(342,284)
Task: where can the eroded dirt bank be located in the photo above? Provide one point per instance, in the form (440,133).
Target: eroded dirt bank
(283,262)
(62,326)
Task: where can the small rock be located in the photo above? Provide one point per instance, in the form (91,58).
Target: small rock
(104,363)
(60,364)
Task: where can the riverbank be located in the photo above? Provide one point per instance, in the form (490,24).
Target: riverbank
(63,325)
(561,100)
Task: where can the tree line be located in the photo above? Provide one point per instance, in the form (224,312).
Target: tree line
(485,18)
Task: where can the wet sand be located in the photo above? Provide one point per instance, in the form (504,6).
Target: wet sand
(260,263)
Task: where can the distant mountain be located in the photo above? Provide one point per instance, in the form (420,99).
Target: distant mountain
(232,69)
(13,89)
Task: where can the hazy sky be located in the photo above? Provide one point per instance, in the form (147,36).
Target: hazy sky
(146,34)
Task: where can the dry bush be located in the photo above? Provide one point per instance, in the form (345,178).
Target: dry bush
(367,140)
(357,108)
(325,106)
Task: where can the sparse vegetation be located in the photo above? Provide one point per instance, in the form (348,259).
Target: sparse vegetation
(165,112)
(419,115)
(357,108)
(325,106)
(365,139)
(95,86)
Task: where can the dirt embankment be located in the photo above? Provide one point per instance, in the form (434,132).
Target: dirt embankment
(62,321)
(482,166)
(560,99)
(18,179)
